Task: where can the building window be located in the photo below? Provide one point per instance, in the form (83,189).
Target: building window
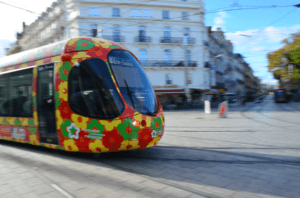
(94,11)
(188,56)
(168,57)
(94,28)
(167,35)
(189,77)
(165,14)
(116,12)
(116,33)
(185,16)
(168,79)
(136,13)
(143,57)
(187,35)
(142,34)
(147,14)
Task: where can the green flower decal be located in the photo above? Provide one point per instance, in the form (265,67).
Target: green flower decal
(57,99)
(57,49)
(18,123)
(95,129)
(64,126)
(114,47)
(34,102)
(84,45)
(64,70)
(127,129)
(41,54)
(31,127)
(5,122)
(156,124)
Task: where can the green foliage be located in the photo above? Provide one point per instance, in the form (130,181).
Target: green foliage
(290,50)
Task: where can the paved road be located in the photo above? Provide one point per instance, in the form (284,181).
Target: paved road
(252,153)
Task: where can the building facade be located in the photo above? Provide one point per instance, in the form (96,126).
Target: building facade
(163,34)
(226,68)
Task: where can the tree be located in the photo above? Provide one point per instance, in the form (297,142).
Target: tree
(291,52)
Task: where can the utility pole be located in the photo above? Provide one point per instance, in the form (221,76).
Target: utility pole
(185,42)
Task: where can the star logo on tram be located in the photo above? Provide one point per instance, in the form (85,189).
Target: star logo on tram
(153,134)
(73,131)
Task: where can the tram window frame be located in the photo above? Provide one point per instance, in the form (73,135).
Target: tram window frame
(4,94)
(13,89)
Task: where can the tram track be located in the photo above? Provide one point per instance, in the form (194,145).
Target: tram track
(260,110)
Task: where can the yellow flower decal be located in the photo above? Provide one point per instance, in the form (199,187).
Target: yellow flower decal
(69,145)
(139,118)
(55,58)
(61,87)
(154,141)
(109,126)
(39,62)
(97,146)
(162,120)
(134,144)
(81,55)
(1,120)
(71,42)
(35,116)
(58,66)
(24,121)
(24,66)
(33,140)
(105,44)
(124,145)
(79,121)
(59,119)
(11,121)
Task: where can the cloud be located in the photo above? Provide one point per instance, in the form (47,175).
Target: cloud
(255,37)
(4,44)
(258,49)
(219,21)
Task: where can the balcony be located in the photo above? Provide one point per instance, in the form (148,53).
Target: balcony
(154,63)
(120,39)
(142,39)
(176,40)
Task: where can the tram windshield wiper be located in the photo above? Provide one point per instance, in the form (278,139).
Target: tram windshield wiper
(129,93)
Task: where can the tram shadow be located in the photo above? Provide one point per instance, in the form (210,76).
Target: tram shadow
(200,171)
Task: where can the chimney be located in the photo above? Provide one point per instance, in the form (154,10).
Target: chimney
(209,29)
(24,26)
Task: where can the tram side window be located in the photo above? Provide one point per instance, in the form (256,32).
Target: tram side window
(3,95)
(20,94)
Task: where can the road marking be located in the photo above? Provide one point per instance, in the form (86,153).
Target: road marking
(61,191)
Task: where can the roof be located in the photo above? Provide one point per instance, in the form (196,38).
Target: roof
(59,48)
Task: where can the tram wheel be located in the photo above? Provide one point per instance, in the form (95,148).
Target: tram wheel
(96,155)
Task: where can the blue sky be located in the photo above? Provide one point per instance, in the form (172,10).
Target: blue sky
(266,27)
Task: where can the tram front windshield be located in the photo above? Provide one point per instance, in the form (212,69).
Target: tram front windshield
(133,82)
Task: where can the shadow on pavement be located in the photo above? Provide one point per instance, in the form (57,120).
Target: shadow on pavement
(203,170)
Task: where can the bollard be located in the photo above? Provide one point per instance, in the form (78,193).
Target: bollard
(223,108)
(207,106)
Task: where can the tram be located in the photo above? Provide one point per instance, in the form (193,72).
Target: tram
(82,95)
(280,95)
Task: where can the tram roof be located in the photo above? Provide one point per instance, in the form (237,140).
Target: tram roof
(58,48)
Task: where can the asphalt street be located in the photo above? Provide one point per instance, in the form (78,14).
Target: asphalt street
(254,152)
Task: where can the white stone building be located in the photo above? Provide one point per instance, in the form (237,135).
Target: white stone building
(153,30)
(226,68)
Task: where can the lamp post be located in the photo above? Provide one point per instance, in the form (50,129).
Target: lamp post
(185,42)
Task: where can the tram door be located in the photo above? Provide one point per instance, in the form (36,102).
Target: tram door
(46,104)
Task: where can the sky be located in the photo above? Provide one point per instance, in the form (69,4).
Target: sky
(253,32)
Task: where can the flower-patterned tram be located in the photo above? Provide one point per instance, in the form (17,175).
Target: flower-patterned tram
(83,94)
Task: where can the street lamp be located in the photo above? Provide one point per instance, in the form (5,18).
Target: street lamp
(185,42)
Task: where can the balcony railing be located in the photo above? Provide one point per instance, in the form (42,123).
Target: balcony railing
(142,39)
(154,63)
(178,40)
(114,38)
